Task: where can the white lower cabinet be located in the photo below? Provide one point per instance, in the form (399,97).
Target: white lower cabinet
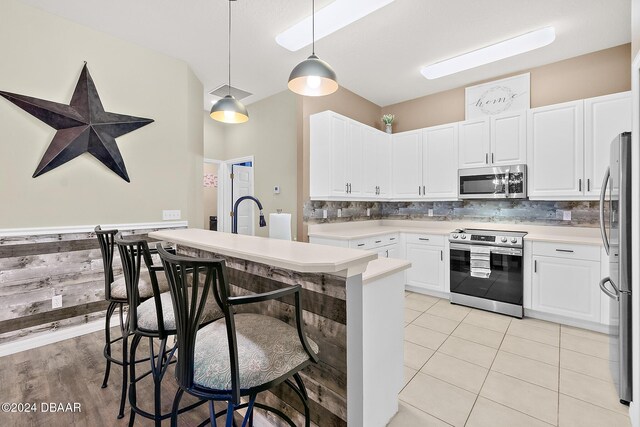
(427,263)
(565,285)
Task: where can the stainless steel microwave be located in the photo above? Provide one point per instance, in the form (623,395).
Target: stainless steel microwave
(500,182)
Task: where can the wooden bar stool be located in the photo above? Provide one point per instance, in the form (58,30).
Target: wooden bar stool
(152,319)
(239,355)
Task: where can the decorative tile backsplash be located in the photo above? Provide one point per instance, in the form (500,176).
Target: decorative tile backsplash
(583,213)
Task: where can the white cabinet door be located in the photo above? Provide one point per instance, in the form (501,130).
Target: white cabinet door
(394,252)
(605,118)
(509,139)
(566,287)
(407,164)
(474,144)
(440,153)
(370,155)
(427,266)
(383,169)
(355,168)
(339,152)
(555,150)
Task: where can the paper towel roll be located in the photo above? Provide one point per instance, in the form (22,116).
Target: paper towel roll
(280,226)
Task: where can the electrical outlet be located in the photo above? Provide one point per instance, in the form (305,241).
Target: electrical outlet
(56,301)
(171,215)
(566,215)
(339,213)
(324,214)
(368,211)
(430,212)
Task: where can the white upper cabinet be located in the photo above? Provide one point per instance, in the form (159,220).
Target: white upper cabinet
(377,163)
(509,139)
(605,117)
(474,143)
(355,164)
(439,164)
(348,160)
(555,150)
(406,166)
(496,141)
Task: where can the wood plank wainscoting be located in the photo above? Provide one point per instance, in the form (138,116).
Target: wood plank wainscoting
(325,317)
(37,264)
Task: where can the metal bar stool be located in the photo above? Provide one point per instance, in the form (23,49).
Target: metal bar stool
(152,319)
(239,355)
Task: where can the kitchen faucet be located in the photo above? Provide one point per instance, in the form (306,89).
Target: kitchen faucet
(234,226)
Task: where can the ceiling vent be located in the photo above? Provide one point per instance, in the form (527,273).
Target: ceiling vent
(223,91)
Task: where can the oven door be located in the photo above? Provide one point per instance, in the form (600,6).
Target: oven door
(504,281)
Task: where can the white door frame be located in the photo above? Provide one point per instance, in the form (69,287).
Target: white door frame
(224,190)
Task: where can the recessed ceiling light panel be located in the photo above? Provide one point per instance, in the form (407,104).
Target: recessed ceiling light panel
(329,19)
(505,49)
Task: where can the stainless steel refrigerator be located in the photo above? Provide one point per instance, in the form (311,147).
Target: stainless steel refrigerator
(615,226)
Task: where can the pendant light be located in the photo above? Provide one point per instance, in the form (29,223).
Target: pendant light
(229,109)
(313,76)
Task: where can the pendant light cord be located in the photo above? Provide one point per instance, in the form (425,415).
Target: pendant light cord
(313,27)
(229,85)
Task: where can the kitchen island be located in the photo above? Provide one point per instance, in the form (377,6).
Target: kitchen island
(353,308)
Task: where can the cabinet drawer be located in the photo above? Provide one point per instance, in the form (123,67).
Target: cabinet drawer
(425,239)
(366,243)
(564,250)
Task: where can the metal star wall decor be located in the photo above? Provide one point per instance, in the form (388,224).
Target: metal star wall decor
(82,127)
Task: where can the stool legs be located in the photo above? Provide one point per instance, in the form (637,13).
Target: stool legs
(124,329)
(107,340)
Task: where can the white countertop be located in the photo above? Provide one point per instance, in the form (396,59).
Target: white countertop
(540,233)
(295,256)
(383,267)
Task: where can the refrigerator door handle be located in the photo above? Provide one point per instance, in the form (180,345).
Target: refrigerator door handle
(603,193)
(613,295)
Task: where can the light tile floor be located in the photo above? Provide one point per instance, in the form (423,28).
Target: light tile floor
(467,367)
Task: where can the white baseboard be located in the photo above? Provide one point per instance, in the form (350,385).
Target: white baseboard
(42,231)
(597,327)
(50,337)
(634,414)
(419,290)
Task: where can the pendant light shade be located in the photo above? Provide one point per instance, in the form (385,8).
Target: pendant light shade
(313,76)
(229,109)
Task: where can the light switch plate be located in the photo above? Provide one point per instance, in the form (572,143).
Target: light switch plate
(368,211)
(430,212)
(566,215)
(324,214)
(339,213)
(56,301)
(171,215)
(276,189)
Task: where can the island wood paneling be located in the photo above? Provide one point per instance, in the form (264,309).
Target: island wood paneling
(325,318)
(34,268)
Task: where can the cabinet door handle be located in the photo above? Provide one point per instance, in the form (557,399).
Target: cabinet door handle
(360,244)
(486,158)
(423,238)
(535,266)
(492,160)
(580,184)
(346,188)
(392,238)
(378,241)
(441,256)
(424,190)
(419,190)
(565,250)
(588,184)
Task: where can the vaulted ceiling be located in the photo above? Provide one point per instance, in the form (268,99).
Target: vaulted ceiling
(378,57)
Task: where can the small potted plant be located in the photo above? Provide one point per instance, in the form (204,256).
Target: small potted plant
(387,119)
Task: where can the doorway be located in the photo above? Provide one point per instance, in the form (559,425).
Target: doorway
(236,179)
(210,193)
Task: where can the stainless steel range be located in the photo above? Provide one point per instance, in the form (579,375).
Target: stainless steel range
(486,270)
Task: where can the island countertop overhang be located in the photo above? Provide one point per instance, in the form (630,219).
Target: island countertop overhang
(295,256)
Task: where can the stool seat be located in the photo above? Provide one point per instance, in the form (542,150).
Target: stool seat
(268,348)
(119,286)
(148,320)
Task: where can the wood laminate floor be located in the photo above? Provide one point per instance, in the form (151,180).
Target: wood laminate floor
(71,371)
